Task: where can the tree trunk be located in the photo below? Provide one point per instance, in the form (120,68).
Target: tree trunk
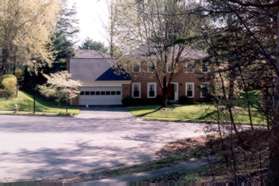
(165,95)
(5,60)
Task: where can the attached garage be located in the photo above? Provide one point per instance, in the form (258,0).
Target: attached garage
(101,83)
(101,96)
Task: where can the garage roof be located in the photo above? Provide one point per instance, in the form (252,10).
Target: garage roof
(89,66)
(114,75)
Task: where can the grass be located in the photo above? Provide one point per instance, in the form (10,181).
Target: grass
(194,113)
(24,103)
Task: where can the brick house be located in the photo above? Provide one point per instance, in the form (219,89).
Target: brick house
(104,85)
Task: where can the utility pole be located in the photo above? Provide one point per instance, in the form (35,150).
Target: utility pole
(34,104)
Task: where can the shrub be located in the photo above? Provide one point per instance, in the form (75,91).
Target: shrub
(129,101)
(9,84)
(185,100)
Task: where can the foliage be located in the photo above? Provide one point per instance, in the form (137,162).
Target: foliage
(25,31)
(90,44)
(25,103)
(61,46)
(129,101)
(9,84)
(62,41)
(250,98)
(60,86)
(185,100)
(243,44)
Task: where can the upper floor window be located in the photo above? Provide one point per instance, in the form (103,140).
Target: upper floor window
(189,67)
(136,90)
(190,89)
(204,67)
(171,68)
(204,92)
(136,67)
(151,90)
(150,67)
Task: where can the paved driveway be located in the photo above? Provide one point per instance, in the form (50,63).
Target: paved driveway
(49,147)
(104,113)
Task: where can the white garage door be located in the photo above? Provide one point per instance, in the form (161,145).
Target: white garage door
(101,96)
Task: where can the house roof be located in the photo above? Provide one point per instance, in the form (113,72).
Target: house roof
(89,66)
(90,54)
(114,75)
(188,53)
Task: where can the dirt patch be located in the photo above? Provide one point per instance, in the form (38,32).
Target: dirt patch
(183,147)
(243,156)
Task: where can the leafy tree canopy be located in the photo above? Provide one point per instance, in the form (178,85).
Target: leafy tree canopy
(90,44)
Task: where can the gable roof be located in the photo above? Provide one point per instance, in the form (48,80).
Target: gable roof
(188,53)
(90,54)
(89,66)
(114,75)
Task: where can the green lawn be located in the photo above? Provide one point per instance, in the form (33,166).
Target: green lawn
(25,106)
(194,112)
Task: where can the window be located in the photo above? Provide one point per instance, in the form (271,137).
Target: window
(136,90)
(82,93)
(97,93)
(107,93)
(190,89)
(171,68)
(118,93)
(113,93)
(151,90)
(205,67)
(92,93)
(204,90)
(150,67)
(189,67)
(87,93)
(136,67)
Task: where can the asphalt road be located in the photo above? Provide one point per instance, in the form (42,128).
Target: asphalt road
(57,147)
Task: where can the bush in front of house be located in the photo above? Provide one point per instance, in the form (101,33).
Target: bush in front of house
(8,83)
(129,101)
(185,100)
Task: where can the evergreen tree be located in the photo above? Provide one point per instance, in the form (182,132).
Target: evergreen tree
(90,44)
(63,38)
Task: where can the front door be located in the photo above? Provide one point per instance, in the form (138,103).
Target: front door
(173,92)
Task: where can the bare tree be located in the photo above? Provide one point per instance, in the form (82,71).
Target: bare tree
(159,32)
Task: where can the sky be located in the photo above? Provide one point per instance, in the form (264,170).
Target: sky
(93,18)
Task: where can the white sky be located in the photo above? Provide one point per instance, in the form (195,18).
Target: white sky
(93,18)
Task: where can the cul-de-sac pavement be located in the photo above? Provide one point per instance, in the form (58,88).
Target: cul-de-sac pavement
(59,147)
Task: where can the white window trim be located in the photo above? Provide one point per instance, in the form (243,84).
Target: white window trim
(138,63)
(148,70)
(155,90)
(204,83)
(176,97)
(167,69)
(186,69)
(139,85)
(186,89)
(207,68)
